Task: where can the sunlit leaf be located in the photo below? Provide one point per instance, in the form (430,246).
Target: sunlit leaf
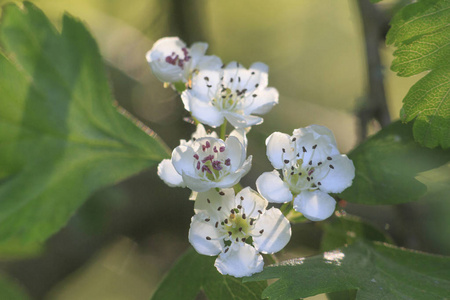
(194,272)
(61,138)
(421,32)
(387,164)
(376,271)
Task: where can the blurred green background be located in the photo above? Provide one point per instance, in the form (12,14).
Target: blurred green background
(123,240)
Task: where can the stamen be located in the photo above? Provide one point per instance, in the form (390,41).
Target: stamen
(206,78)
(284,150)
(208,238)
(261,231)
(314,147)
(221,193)
(239,206)
(304,149)
(240,228)
(331,166)
(207,199)
(319,183)
(242,198)
(286,161)
(217,224)
(226,221)
(207,220)
(226,250)
(222,149)
(244,216)
(329,158)
(196,156)
(260,211)
(310,162)
(294,139)
(256,85)
(227,162)
(243,239)
(219,208)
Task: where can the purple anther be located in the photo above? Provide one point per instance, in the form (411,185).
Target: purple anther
(170,60)
(196,156)
(310,172)
(208,144)
(215,149)
(203,148)
(181,63)
(206,168)
(209,157)
(216,165)
(198,165)
(222,148)
(227,162)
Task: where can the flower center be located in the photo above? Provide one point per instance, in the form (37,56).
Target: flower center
(211,162)
(175,59)
(302,177)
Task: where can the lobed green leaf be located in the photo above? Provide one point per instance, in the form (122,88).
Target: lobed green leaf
(61,138)
(387,164)
(421,31)
(194,272)
(375,270)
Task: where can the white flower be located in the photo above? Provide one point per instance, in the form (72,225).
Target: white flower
(233,93)
(171,61)
(166,169)
(311,166)
(207,163)
(237,228)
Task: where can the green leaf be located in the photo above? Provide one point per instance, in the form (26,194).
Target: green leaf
(346,229)
(9,290)
(429,102)
(194,272)
(421,31)
(387,164)
(376,271)
(61,138)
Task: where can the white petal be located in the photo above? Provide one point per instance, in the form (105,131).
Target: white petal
(204,236)
(242,121)
(263,102)
(273,188)
(252,203)
(183,160)
(316,205)
(209,62)
(240,261)
(205,112)
(339,178)
(275,143)
(169,175)
(198,184)
(205,84)
(318,137)
(197,52)
(233,178)
(235,151)
(241,135)
(210,201)
(276,234)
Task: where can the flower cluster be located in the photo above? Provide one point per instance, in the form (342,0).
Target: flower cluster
(238,227)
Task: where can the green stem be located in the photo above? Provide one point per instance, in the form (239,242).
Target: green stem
(223,129)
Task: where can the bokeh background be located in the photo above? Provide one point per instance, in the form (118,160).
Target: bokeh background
(123,240)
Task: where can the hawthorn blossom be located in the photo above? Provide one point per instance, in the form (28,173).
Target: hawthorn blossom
(166,169)
(208,162)
(311,166)
(233,93)
(237,228)
(172,62)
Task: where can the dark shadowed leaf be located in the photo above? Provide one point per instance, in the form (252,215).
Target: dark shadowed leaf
(10,290)
(61,138)
(376,271)
(387,164)
(194,272)
(346,229)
